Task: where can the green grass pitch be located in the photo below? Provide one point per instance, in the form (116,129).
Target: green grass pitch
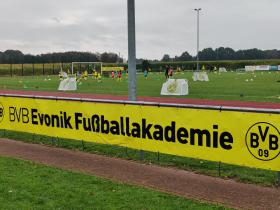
(259,86)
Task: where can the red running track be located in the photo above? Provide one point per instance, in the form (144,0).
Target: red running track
(244,104)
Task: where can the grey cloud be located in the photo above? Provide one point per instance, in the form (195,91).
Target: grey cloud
(163,26)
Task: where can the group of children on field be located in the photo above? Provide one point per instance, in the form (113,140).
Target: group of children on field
(96,75)
(79,76)
(119,74)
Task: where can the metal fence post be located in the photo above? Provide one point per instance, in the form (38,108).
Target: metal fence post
(22,69)
(43,69)
(33,70)
(11,69)
(278,178)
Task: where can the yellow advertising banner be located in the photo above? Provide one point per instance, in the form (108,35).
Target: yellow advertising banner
(242,138)
(112,68)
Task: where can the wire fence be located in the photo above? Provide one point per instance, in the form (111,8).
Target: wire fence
(39,69)
(33,69)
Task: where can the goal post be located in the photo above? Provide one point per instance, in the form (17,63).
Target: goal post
(97,66)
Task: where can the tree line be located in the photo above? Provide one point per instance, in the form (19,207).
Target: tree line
(207,54)
(226,53)
(17,57)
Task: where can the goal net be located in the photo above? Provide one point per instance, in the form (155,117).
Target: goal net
(79,68)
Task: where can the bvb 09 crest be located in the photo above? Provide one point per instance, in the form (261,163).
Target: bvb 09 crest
(171,88)
(262,140)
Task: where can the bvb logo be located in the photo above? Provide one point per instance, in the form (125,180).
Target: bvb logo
(262,140)
(1,112)
(172,87)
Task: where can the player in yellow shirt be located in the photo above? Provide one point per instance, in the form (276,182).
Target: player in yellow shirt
(96,75)
(99,77)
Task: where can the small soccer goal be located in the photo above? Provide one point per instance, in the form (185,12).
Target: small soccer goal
(77,68)
(200,76)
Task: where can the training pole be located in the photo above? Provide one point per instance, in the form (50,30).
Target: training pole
(278,178)
(197,39)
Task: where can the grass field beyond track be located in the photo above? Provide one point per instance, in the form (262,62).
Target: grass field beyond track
(259,86)
(25,185)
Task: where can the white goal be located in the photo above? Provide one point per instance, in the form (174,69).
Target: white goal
(86,66)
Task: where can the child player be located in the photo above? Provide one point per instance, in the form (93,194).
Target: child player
(120,76)
(145,73)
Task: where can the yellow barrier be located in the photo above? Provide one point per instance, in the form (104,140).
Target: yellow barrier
(112,68)
(241,138)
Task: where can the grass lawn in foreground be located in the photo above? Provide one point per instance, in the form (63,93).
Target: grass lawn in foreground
(243,174)
(258,86)
(25,185)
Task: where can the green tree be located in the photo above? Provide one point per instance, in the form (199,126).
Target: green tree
(207,54)
(184,57)
(166,58)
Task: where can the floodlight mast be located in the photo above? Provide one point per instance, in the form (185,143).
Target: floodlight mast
(197,39)
(131,50)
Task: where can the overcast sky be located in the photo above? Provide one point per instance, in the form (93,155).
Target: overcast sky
(162,26)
